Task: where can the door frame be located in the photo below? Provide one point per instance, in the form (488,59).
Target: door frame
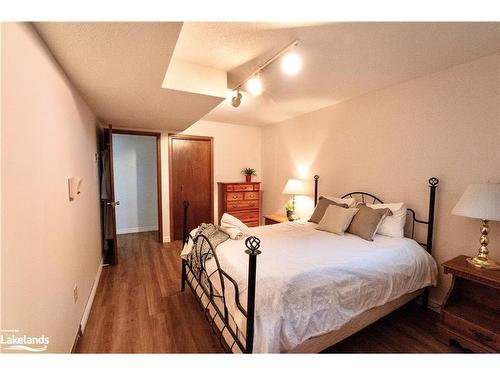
(171,137)
(158,171)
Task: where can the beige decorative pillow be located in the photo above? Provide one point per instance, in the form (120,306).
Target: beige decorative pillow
(336,219)
(366,222)
(321,207)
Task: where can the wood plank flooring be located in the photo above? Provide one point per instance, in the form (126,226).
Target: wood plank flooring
(139,308)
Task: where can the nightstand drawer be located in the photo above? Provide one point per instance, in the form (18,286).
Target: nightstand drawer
(471,330)
(242,205)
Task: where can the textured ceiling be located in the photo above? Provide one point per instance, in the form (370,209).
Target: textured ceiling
(341,60)
(119,68)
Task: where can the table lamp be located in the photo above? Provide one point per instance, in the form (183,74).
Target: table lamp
(293,187)
(481,201)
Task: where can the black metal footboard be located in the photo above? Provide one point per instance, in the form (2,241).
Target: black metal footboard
(218,293)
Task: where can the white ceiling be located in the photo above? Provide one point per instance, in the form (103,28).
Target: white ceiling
(341,60)
(119,68)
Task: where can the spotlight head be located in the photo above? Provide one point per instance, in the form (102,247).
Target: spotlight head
(254,86)
(291,63)
(236,100)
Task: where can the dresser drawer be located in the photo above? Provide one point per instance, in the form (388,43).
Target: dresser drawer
(243,187)
(234,196)
(251,216)
(242,205)
(473,331)
(251,195)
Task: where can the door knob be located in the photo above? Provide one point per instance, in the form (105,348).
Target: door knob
(113,204)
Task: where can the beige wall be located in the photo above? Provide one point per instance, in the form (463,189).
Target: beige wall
(235,147)
(390,141)
(1,326)
(49,244)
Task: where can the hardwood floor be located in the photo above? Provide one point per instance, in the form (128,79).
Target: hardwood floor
(139,308)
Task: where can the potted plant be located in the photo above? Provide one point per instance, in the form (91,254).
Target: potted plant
(290,210)
(249,172)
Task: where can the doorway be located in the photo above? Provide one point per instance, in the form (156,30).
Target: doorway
(137,182)
(191,179)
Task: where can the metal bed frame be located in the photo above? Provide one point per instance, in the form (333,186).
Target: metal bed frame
(214,288)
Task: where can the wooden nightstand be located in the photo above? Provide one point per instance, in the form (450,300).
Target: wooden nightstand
(275,219)
(471,312)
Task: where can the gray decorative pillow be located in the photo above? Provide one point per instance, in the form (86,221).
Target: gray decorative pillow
(321,207)
(366,222)
(360,204)
(336,219)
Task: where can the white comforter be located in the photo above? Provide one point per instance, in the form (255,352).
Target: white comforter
(311,282)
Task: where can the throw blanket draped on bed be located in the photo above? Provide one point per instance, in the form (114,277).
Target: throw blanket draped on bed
(202,251)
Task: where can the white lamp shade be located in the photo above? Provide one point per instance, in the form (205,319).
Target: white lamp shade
(294,187)
(481,201)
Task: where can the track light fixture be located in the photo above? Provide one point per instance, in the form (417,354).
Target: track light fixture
(291,64)
(254,85)
(236,100)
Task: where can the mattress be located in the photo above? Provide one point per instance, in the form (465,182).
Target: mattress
(311,283)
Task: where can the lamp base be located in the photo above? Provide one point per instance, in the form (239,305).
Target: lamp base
(483,262)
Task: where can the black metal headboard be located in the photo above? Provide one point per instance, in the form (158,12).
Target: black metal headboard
(367,197)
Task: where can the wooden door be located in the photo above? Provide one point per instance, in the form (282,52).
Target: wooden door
(191,180)
(108,202)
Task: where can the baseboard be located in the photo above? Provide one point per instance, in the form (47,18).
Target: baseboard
(90,301)
(88,307)
(166,238)
(148,228)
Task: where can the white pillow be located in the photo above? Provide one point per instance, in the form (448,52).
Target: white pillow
(394,225)
(351,202)
(336,219)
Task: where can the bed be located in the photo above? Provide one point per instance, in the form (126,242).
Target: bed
(311,289)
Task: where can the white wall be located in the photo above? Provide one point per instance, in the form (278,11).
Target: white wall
(390,141)
(235,147)
(49,244)
(134,165)
(1,326)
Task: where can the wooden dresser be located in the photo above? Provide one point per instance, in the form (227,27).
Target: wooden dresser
(240,199)
(471,313)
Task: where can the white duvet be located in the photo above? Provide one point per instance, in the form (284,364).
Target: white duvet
(311,282)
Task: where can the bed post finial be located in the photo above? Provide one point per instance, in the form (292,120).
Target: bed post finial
(433,183)
(316,180)
(252,243)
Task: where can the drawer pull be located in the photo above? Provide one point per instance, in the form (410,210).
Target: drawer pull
(481,336)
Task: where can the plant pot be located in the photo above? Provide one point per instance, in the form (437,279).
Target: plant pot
(289,215)
(248,178)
